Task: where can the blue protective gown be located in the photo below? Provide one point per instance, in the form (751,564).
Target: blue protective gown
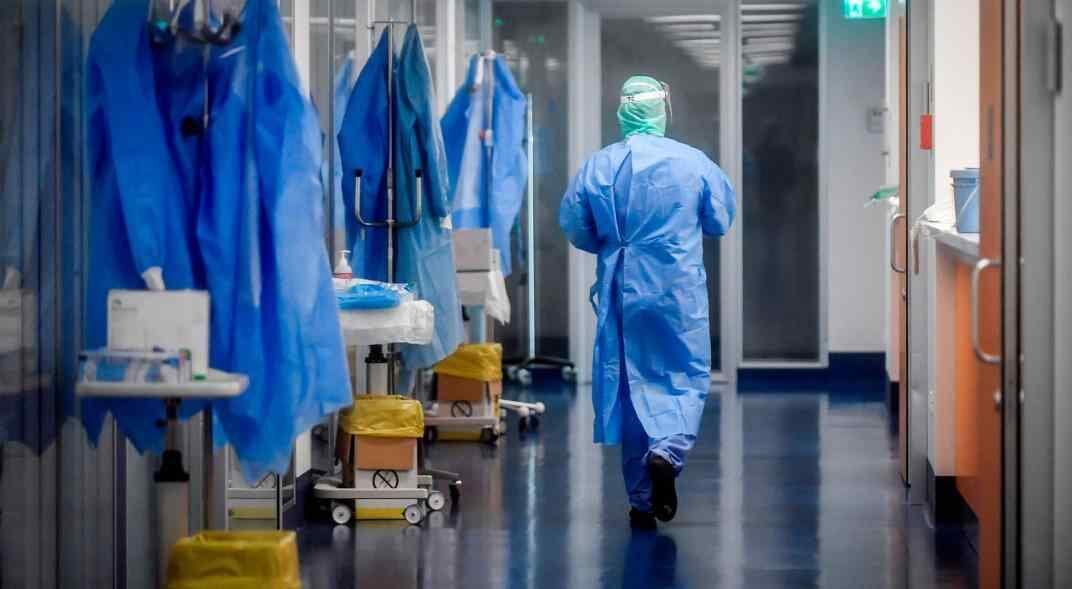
(424,253)
(487,195)
(643,205)
(235,209)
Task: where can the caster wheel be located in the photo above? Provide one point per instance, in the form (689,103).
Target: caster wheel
(436,501)
(413,514)
(431,434)
(488,436)
(524,376)
(341,513)
(455,493)
(569,374)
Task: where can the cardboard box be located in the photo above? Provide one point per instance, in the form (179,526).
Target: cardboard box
(473,251)
(171,320)
(453,388)
(370,453)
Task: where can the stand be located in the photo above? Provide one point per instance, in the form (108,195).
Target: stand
(172,479)
(519,369)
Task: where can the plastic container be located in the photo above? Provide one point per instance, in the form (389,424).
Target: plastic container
(236,560)
(966,199)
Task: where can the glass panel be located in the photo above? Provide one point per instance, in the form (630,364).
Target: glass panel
(780,192)
(683,52)
(426,22)
(532,36)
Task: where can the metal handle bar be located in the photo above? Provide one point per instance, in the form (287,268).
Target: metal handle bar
(980,267)
(893,244)
(417,208)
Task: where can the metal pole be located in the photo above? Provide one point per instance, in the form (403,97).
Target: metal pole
(331,135)
(530,238)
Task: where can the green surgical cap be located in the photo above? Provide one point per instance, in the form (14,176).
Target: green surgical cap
(646,115)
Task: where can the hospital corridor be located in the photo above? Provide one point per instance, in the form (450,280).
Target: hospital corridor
(535,294)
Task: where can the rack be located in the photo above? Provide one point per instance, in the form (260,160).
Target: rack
(420,496)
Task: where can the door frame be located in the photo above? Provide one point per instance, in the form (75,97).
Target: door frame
(585,89)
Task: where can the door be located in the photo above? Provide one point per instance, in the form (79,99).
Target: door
(899,251)
(994,289)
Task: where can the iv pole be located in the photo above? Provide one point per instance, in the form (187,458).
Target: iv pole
(376,355)
(520,369)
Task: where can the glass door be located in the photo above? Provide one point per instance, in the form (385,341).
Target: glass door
(779,216)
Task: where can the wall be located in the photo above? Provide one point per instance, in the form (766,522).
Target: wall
(853,167)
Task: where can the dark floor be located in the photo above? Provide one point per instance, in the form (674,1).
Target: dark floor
(782,490)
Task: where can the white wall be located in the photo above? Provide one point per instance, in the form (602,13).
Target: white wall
(853,167)
(955,79)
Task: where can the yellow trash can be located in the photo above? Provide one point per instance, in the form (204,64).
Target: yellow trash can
(235,560)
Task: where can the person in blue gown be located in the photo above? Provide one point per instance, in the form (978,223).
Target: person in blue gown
(643,205)
(488,174)
(424,258)
(233,207)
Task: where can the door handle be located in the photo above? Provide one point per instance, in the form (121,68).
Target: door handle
(980,267)
(893,244)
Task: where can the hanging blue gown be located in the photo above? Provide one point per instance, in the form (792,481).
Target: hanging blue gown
(424,254)
(486,196)
(235,209)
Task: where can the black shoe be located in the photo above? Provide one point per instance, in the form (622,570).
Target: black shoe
(664,492)
(641,520)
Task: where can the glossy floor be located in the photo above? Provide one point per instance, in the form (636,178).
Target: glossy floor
(782,490)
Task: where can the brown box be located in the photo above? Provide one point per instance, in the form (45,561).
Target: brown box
(453,388)
(371,453)
(385,453)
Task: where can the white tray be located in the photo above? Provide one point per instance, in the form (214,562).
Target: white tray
(218,385)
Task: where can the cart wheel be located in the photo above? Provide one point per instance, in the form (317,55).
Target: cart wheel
(488,436)
(455,493)
(539,408)
(436,501)
(524,376)
(431,434)
(341,513)
(413,514)
(569,373)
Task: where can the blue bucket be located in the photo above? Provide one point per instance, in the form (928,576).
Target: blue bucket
(966,198)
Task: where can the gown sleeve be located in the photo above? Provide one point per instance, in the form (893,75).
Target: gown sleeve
(575,214)
(717,202)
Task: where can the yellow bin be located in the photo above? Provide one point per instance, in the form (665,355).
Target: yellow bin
(235,560)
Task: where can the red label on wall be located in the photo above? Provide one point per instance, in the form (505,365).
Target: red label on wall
(926,132)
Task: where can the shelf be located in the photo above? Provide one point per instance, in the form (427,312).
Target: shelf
(218,385)
(965,244)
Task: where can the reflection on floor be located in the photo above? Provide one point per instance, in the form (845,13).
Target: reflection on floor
(783,490)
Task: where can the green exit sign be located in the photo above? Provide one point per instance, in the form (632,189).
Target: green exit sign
(862,9)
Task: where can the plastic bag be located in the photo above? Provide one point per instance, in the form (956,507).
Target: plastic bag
(383,416)
(235,560)
(474,361)
(408,323)
(368,296)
